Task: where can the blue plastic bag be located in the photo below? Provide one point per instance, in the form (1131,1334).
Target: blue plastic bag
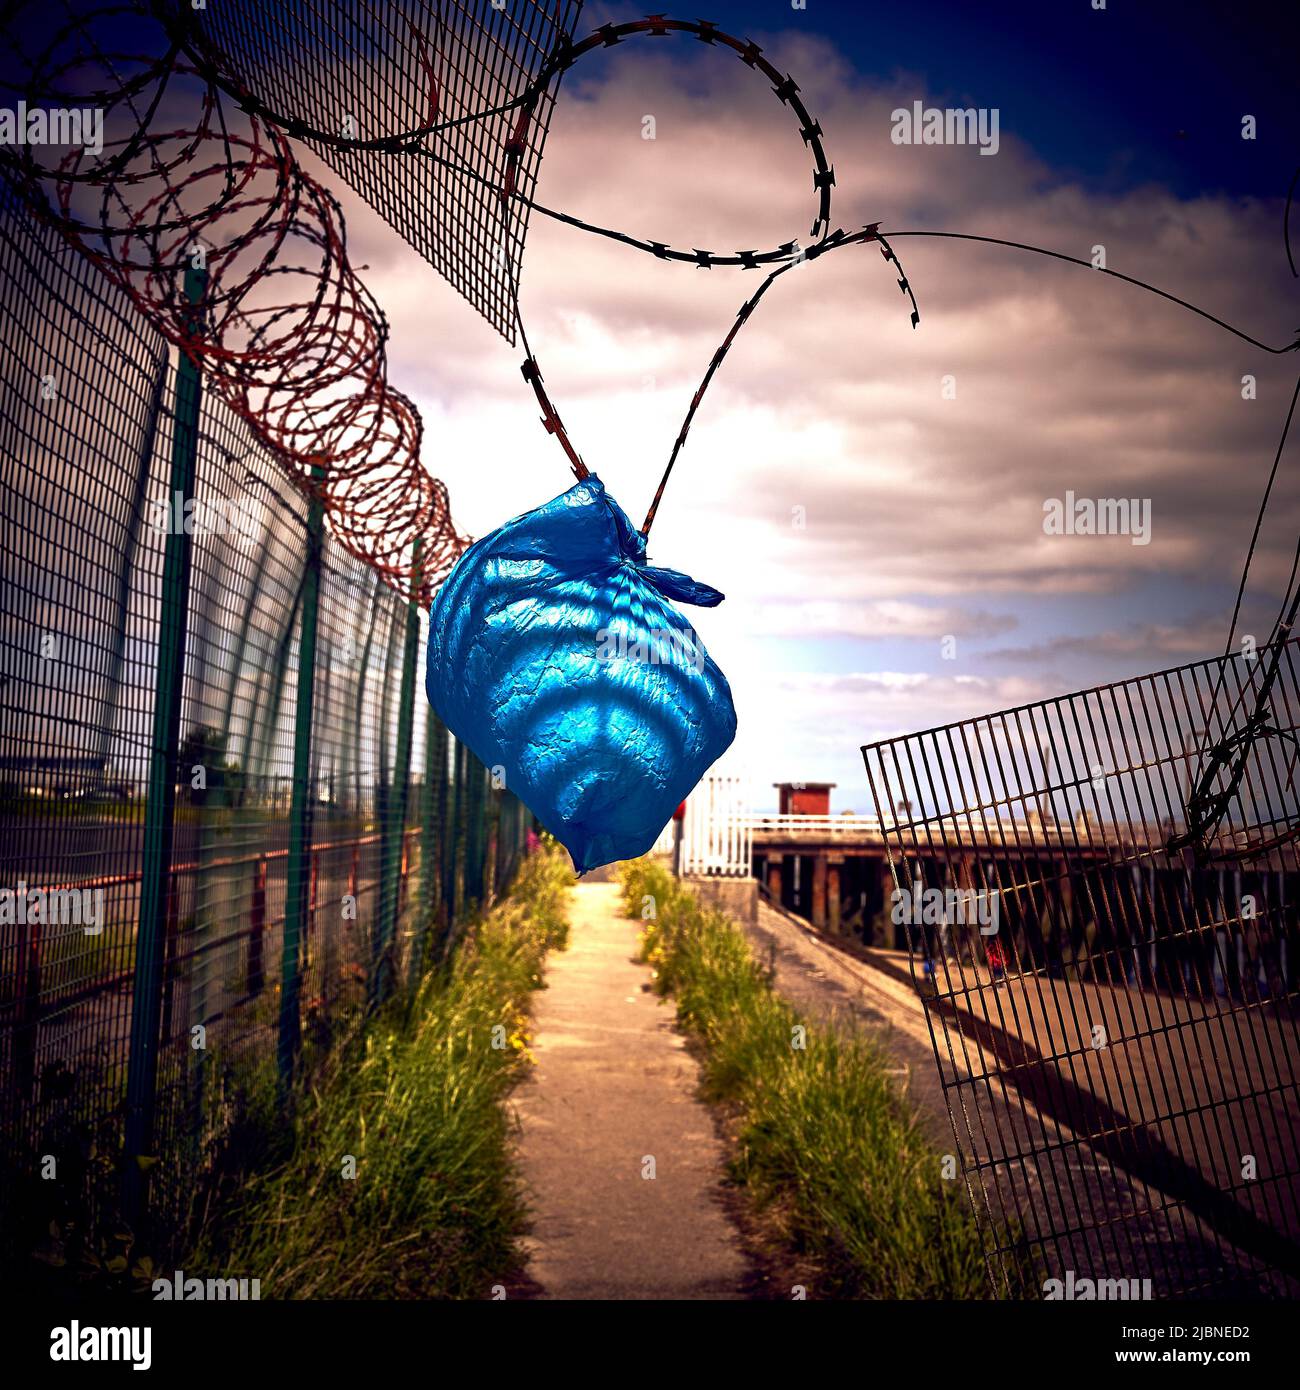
(556,654)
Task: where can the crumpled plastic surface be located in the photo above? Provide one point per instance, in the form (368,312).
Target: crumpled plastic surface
(556,654)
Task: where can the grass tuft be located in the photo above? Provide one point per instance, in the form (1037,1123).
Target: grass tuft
(435,1209)
(824,1144)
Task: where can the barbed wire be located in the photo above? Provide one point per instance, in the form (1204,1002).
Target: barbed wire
(783,257)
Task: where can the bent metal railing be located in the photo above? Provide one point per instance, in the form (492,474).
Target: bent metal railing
(1114,1018)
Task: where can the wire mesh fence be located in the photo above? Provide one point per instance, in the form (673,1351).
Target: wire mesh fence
(224,833)
(1113,1014)
(383,72)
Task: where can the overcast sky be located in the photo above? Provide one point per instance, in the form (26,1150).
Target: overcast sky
(854,516)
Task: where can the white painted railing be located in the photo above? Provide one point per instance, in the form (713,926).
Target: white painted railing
(967,828)
(813,825)
(719,831)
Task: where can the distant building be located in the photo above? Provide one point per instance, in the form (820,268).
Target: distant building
(59,776)
(804,798)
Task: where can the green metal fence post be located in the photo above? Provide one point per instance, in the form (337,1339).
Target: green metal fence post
(393,830)
(476,834)
(301,802)
(455,840)
(446,814)
(431,837)
(159,823)
(492,854)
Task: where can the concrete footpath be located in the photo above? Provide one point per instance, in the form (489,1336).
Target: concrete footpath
(610,1102)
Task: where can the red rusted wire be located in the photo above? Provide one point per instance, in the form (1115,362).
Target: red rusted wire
(289,336)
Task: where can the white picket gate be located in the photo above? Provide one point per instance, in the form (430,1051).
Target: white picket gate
(716,835)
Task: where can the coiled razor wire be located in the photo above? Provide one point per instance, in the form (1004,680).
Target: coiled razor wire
(287,333)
